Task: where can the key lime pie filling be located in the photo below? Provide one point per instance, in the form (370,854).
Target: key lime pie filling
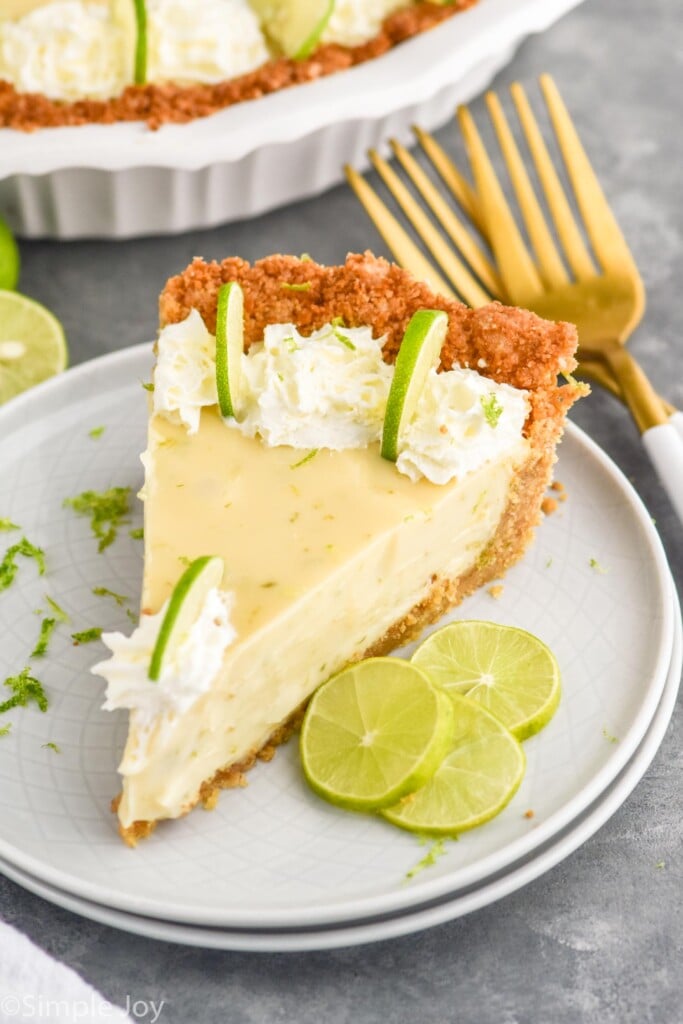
(329,551)
(70,62)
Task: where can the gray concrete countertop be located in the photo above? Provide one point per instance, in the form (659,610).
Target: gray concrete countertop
(599,937)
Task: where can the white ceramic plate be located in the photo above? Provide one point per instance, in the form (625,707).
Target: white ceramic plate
(123,180)
(273,855)
(410,921)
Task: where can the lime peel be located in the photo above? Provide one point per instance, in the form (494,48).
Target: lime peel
(184,606)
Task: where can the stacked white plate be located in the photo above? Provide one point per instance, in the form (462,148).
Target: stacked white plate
(123,180)
(273,867)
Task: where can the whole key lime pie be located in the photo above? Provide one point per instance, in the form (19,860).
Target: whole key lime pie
(311,500)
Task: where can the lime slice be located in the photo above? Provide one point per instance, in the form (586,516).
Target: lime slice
(374,732)
(32,344)
(419,352)
(295,25)
(184,608)
(506,670)
(230,380)
(9,258)
(131,17)
(475,781)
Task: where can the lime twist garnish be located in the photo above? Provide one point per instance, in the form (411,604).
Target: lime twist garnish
(418,354)
(373,733)
(295,25)
(230,380)
(506,670)
(131,17)
(477,778)
(32,344)
(184,608)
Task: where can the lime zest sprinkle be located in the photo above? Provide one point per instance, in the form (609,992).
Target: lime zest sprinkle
(303,287)
(106,509)
(60,614)
(7,524)
(184,560)
(548,563)
(131,615)
(6,730)
(25,688)
(305,258)
(8,566)
(51,746)
(148,385)
(594,564)
(87,636)
(338,321)
(436,850)
(269,584)
(120,599)
(343,339)
(660,864)
(307,458)
(96,432)
(609,737)
(493,410)
(137,533)
(46,629)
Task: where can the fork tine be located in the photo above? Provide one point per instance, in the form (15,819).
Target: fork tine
(520,277)
(465,284)
(399,242)
(608,242)
(452,177)
(578,256)
(549,261)
(464,241)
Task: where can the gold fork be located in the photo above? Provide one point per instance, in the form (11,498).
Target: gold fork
(606,304)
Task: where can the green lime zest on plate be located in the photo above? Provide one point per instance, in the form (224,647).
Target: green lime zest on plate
(474,782)
(5,730)
(7,524)
(230,380)
(9,566)
(9,259)
(59,612)
(418,354)
(183,609)
(51,746)
(148,385)
(87,636)
(47,628)
(374,732)
(96,432)
(107,511)
(32,344)
(120,599)
(436,850)
(508,671)
(26,689)
(137,533)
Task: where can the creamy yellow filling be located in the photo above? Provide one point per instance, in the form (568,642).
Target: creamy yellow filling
(323,556)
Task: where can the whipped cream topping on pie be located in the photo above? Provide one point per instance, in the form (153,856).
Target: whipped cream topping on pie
(355,21)
(329,390)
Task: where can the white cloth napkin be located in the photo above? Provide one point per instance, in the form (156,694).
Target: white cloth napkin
(35,987)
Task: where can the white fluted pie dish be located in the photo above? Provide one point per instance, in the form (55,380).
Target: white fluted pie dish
(123,180)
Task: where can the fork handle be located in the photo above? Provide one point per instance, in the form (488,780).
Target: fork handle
(676,421)
(639,394)
(664,445)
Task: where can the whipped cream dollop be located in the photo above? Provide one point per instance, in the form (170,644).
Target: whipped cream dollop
(188,671)
(185,374)
(462,420)
(327,390)
(202,40)
(330,390)
(355,21)
(67,50)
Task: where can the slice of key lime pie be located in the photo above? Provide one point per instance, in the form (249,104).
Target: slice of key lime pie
(308,503)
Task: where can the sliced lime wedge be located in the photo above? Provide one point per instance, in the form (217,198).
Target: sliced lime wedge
(230,381)
(506,670)
(475,781)
(419,352)
(295,25)
(131,17)
(9,258)
(374,732)
(184,608)
(32,344)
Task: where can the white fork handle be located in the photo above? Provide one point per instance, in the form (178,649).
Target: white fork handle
(676,420)
(664,445)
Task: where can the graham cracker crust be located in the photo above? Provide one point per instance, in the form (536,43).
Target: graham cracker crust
(514,347)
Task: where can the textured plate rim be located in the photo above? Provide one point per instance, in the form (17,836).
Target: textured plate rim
(411,921)
(408,74)
(48,395)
